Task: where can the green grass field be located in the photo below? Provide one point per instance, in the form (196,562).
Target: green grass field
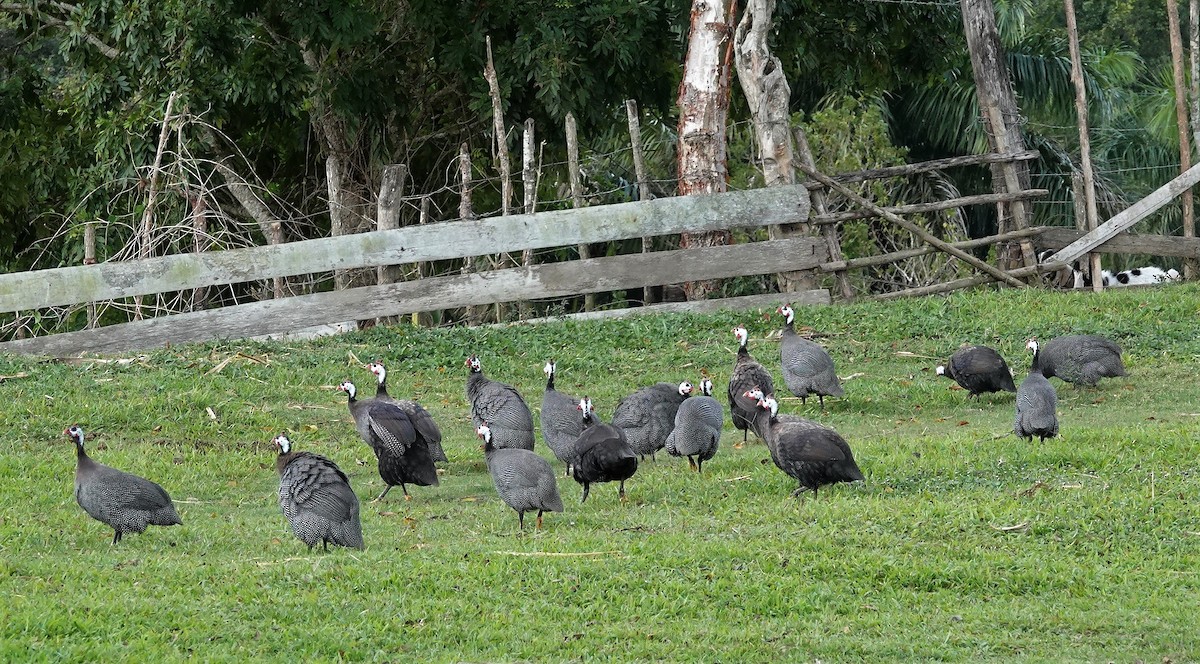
(964,544)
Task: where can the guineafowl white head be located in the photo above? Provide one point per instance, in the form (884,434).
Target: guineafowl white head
(484,432)
(706,387)
(940,370)
(585,405)
(685,388)
(769,403)
(755,393)
(741,334)
(549,368)
(281,441)
(75,433)
(788,314)
(377,369)
(348,388)
(1031,345)
(473,363)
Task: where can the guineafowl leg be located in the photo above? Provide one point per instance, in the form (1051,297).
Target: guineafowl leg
(385,492)
(586,487)
(521,519)
(539,520)
(821,399)
(691,463)
(798,492)
(405,490)
(699,465)
(116,536)
(621,491)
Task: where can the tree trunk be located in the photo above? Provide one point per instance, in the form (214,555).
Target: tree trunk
(1085,144)
(703,108)
(1181,118)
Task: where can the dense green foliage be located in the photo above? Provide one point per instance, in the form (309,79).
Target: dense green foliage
(964,543)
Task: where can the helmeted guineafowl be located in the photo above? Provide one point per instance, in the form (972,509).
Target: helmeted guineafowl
(648,415)
(747,375)
(561,421)
(807,367)
(316,498)
(420,417)
(501,406)
(698,424)
(402,453)
(523,479)
(125,502)
(1036,402)
(813,454)
(978,369)
(1081,359)
(602,454)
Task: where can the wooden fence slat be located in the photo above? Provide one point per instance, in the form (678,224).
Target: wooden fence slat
(740,303)
(1124,243)
(663,216)
(535,282)
(925,167)
(918,208)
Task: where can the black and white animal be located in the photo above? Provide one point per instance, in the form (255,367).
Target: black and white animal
(1036,402)
(807,367)
(813,454)
(501,406)
(523,479)
(1144,276)
(401,451)
(978,369)
(648,415)
(1081,359)
(697,431)
(420,417)
(316,498)
(561,421)
(747,374)
(126,502)
(602,454)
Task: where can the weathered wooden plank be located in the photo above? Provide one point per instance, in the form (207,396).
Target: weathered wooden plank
(1130,216)
(1124,243)
(663,216)
(535,282)
(947,204)
(741,303)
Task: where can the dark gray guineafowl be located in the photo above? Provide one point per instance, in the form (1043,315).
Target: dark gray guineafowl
(747,375)
(978,369)
(813,454)
(1036,402)
(1081,359)
(402,454)
(561,421)
(125,502)
(501,406)
(698,424)
(316,498)
(807,367)
(523,479)
(648,415)
(602,454)
(420,417)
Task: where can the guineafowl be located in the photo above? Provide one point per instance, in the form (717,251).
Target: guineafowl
(807,366)
(316,498)
(125,502)
(1036,402)
(813,454)
(420,417)
(978,369)
(747,375)
(561,423)
(1081,359)
(523,479)
(602,453)
(648,415)
(402,453)
(698,424)
(501,406)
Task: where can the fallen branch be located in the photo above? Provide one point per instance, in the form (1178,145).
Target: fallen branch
(1009,529)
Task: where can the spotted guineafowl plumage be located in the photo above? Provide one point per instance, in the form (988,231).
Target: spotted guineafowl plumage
(1036,402)
(524,480)
(421,419)
(747,375)
(602,454)
(316,498)
(501,406)
(978,369)
(126,502)
(807,367)
(1081,359)
(402,453)
(648,415)
(698,424)
(561,421)
(812,453)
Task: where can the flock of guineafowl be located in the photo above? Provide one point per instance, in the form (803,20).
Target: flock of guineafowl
(319,504)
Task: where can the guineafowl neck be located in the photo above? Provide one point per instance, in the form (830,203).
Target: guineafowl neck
(80,453)
(282,461)
(550,381)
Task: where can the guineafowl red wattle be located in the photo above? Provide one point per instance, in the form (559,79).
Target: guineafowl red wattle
(523,479)
(807,367)
(1081,359)
(747,375)
(697,432)
(125,502)
(501,406)
(402,453)
(561,424)
(978,369)
(648,415)
(602,453)
(316,498)
(1037,402)
(812,453)
(420,417)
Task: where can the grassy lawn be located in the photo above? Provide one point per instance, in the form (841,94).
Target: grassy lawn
(964,544)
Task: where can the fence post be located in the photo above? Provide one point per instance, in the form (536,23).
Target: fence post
(585,251)
(529,185)
(643,181)
(89,258)
(387,217)
(828,231)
